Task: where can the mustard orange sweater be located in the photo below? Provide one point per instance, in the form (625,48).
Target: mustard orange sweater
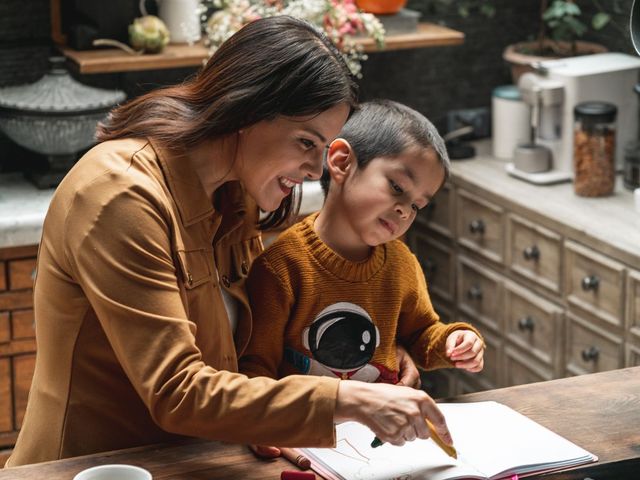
(317,313)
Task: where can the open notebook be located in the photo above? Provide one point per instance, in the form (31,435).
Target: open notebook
(492,441)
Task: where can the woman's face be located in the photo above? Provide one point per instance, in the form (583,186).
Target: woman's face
(275,155)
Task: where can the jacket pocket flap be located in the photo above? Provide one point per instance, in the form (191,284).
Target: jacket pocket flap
(195,266)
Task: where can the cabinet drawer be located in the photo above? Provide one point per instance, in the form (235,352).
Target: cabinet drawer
(438,214)
(22,324)
(535,253)
(5,329)
(6,405)
(437,264)
(595,283)
(22,273)
(633,356)
(480,226)
(534,325)
(590,348)
(480,293)
(23,366)
(633,305)
(520,368)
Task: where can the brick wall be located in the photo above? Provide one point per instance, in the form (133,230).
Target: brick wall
(432,80)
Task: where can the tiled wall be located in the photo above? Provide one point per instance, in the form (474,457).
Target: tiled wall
(432,80)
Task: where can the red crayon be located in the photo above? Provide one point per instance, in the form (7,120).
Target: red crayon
(296,458)
(294,475)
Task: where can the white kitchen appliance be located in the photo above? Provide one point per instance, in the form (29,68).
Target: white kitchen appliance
(607,77)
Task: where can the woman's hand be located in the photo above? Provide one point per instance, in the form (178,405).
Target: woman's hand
(395,414)
(408,372)
(465,350)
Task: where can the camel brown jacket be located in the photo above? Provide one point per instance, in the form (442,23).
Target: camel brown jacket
(133,341)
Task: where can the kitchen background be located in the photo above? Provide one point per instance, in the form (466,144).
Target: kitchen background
(432,80)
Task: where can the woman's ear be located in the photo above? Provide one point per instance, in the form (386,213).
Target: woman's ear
(340,160)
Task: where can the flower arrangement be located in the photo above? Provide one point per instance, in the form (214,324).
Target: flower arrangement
(340,20)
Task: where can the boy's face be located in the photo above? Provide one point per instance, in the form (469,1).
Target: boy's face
(380,201)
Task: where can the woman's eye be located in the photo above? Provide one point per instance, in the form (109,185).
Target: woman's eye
(308,144)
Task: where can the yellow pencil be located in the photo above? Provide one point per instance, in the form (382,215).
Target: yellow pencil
(448,449)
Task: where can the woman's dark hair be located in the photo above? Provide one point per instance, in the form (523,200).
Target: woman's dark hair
(383,128)
(272,66)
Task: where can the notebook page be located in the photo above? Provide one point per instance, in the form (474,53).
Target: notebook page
(495,439)
(354,459)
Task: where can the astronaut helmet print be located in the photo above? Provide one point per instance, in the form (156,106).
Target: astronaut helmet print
(342,340)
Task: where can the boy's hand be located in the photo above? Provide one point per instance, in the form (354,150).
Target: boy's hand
(408,372)
(264,451)
(465,350)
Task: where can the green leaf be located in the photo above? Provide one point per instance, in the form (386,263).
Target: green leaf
(600,20)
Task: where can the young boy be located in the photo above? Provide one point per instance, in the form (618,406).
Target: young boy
(336,292)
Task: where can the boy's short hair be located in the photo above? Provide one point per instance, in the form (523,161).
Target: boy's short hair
(384,128)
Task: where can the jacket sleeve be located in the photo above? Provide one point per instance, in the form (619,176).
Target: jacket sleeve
(119,250)
(271,302)
(419,326)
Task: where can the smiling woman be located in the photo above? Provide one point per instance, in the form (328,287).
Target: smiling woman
(139,297)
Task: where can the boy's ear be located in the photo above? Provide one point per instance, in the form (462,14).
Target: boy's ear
(340,160)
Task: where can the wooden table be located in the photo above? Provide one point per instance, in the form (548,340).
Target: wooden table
(600,412)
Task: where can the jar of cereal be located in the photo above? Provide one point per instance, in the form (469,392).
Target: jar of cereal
(594,146)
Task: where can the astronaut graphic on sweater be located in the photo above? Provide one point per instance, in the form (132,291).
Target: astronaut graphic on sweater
(342,340)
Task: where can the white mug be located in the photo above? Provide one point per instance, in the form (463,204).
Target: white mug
(113,472)
(182,18)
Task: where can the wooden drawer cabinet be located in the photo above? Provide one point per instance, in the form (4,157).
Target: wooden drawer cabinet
(479,293)
(535,252)
(633,306)
(590,348)
(480,226)
(534,325)
(552,280)
(438,214)
(437,262)
(595,283)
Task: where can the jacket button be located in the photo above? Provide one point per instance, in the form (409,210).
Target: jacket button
(244,267)
(225,281)
(189,278)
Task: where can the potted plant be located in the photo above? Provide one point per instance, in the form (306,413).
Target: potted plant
(561,25)
(341,20)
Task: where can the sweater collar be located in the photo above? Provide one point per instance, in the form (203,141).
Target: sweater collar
(334,263)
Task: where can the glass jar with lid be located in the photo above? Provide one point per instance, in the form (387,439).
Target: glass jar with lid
(594,146)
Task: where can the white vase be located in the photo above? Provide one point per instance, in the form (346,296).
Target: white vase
(181,18)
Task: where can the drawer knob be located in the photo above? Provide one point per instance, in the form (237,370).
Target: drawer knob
(590,282)
(526,323)
(474,293)
(429,267)
(531,253)
(590,354)
(476,226)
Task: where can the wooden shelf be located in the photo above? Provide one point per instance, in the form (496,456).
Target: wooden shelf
(176,56)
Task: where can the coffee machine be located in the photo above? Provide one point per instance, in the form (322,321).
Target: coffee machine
(607,77)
